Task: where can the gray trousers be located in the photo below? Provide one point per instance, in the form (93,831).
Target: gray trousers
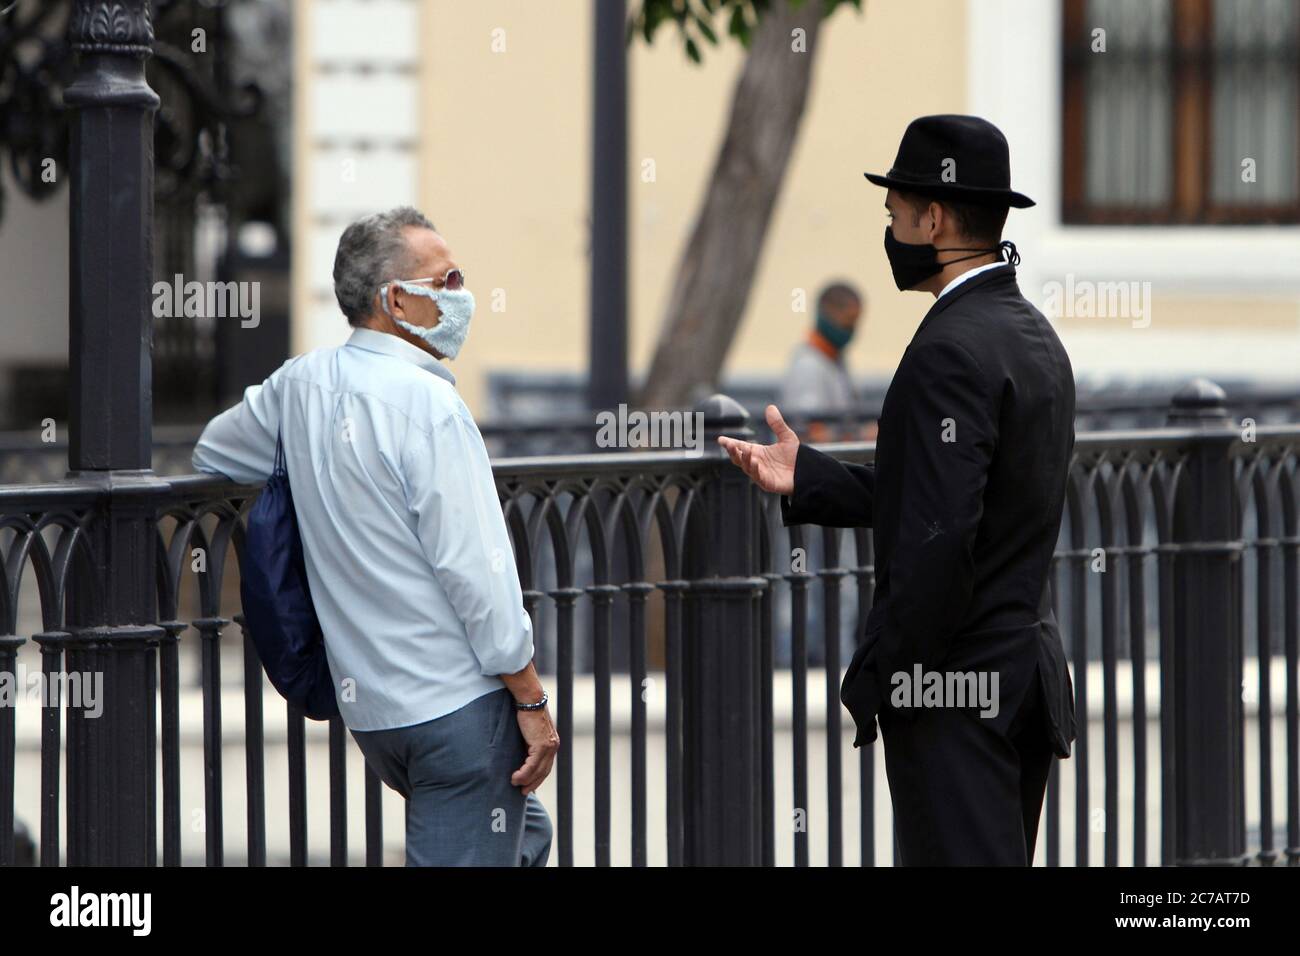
(454,771)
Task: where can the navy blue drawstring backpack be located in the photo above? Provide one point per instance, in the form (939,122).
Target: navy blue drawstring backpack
(278,611)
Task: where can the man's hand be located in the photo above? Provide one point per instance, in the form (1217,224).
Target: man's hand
(543,743)
(771,467)
(536,728)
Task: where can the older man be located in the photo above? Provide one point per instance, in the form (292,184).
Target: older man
(407,552)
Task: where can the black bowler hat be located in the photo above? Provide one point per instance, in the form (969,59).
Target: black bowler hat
(980,162)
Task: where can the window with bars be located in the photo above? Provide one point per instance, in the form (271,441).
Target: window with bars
(1181,111)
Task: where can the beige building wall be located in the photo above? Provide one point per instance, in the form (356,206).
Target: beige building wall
(503,147)
(830,221)
(480,113)
(505,176)
(357,137)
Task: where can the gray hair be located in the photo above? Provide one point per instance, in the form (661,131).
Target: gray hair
(371,252)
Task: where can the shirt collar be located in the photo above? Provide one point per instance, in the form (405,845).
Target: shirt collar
(970,274)
(384,343)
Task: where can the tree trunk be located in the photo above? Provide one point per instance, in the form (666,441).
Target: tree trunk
(713,278)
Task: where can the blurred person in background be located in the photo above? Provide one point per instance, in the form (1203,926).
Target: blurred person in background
(817,383)
(819,395)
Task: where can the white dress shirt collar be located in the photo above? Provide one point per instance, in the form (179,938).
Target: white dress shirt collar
(968,275)
(373,340)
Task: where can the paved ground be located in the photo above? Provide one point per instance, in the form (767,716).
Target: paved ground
(28,781)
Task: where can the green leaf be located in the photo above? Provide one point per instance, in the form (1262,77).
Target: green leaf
(742,16)
(706,29)
(738,27)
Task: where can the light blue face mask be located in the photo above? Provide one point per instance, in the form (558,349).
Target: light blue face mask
(457,308)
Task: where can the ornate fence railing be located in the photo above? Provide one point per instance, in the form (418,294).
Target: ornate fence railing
(40,454)
(702,748)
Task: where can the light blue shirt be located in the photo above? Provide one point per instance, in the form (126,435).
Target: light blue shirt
(407,552)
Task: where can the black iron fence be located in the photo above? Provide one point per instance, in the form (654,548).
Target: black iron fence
(40,453)
(1187,751)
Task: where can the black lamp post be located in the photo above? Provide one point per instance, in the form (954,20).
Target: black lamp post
(112,600)
(607,376)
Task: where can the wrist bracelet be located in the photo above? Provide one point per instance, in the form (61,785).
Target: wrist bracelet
(537,706)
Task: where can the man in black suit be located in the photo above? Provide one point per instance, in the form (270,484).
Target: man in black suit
(965,500)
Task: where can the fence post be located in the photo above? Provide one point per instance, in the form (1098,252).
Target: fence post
(112,598)
(721,674)
(1209,777)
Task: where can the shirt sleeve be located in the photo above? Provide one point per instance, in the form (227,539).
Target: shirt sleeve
(463,534)
(240,442)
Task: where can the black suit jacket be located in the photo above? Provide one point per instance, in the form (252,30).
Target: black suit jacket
(965,500)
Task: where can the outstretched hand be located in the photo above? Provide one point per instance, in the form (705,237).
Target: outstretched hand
(771,467)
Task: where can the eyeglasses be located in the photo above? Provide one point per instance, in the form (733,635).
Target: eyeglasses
(453,280)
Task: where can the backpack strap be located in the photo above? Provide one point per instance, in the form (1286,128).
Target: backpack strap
(278,467)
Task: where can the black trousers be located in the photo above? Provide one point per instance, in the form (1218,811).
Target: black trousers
(964,794)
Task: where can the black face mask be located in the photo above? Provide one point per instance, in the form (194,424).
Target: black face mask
(914,262)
